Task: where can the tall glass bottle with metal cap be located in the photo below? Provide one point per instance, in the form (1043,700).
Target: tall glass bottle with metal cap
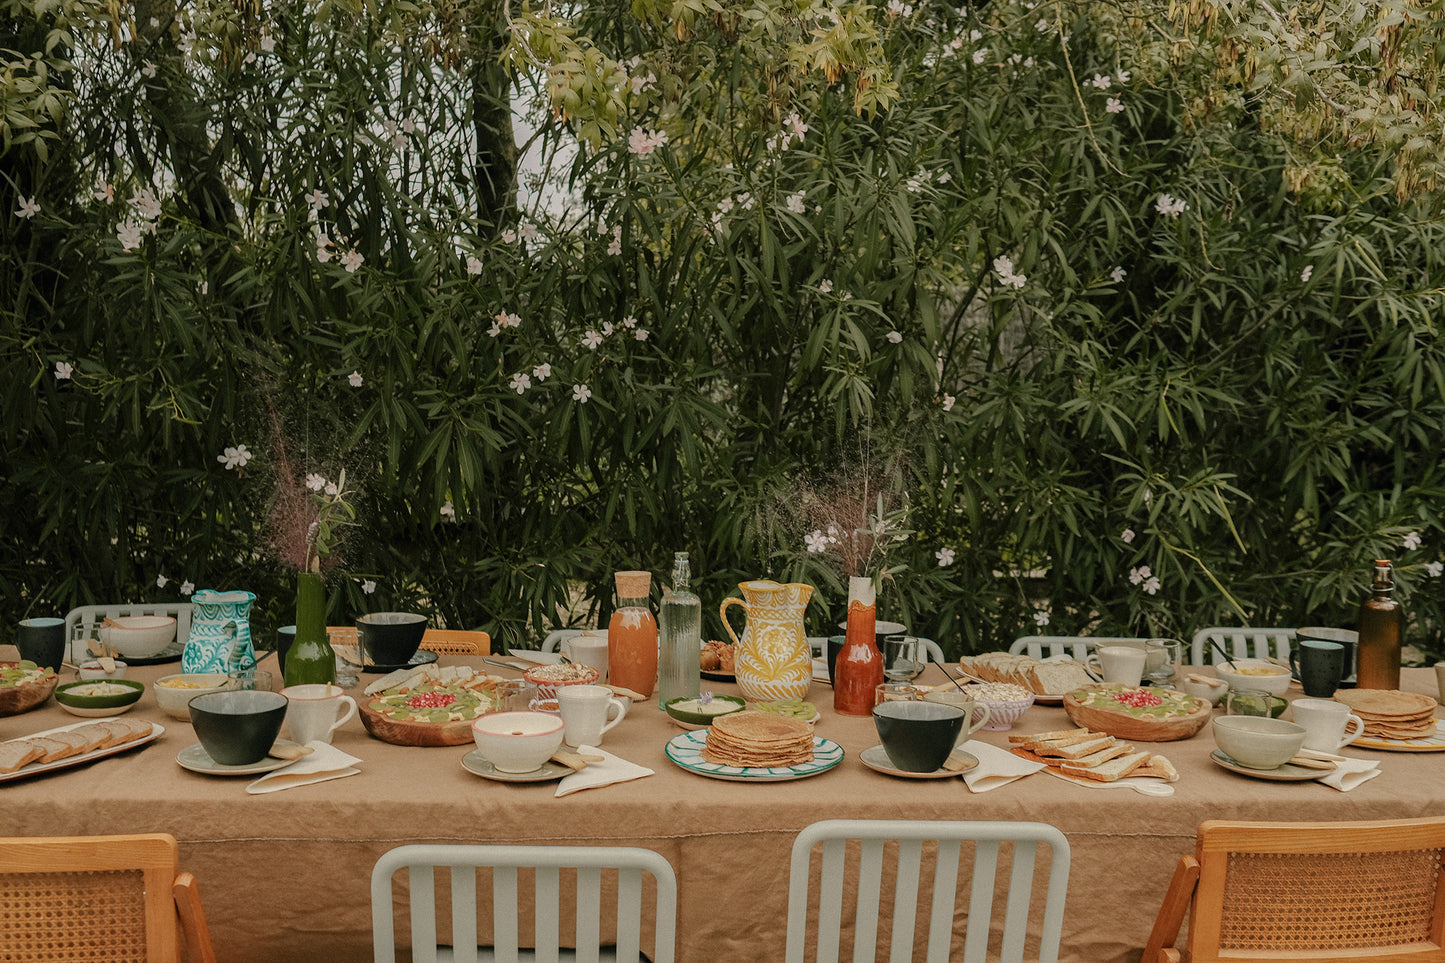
(632,635)
(1382,630)
(679,637)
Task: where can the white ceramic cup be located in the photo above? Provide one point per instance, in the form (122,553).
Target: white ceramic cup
(314,712)
(588,649)
(587,712)
(1122,664)
(1328,725)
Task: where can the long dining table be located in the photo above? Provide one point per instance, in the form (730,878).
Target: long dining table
(285,876)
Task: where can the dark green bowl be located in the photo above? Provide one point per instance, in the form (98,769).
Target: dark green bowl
(76,703)
(702,719)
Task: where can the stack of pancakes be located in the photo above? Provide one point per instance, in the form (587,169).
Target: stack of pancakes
(1390,713)
(758,739)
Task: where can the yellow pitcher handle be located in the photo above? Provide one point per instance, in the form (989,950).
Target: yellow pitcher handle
(722,614)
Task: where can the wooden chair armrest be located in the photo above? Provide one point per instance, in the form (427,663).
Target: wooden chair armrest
(194,931)
(1159,949)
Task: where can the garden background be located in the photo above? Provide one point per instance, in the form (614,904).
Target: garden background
(1099,318)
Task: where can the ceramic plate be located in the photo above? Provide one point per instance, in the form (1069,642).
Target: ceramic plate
(171,653)
(422,657)
(36,768)
(1285,773)
(1431,743)
(478,764)
(195,759)
(877,760)
(686,750)
(535,657)
(717,676)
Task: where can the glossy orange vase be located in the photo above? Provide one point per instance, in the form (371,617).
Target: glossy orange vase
(860,665)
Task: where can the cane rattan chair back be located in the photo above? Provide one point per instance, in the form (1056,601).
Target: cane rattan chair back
(121,899)
(1241,642)
(440,641)
(920,843)
(1308,891)
(555,868)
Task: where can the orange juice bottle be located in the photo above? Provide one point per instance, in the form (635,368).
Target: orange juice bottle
(632,636)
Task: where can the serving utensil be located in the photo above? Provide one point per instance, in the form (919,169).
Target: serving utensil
(1227,659)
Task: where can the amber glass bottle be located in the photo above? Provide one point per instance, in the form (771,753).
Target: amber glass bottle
(1382,630)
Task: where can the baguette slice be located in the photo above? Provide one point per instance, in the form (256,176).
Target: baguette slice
(1096,759)
(1111,771)
(14,755)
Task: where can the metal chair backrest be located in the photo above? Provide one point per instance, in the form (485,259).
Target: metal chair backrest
(113,898)
(627,865)
(919,842)
(1308,891)
(1241,642)
(82,623)
(1053,646)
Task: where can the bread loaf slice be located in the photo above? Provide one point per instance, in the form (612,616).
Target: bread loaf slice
(1111,771)
(1057,678)
(14,755)
(1096,759)
(1078,750)
(1055,736)
(54,749)
(1158,767)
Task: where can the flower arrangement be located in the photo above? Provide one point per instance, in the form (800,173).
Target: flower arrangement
(309,514)
(854,520)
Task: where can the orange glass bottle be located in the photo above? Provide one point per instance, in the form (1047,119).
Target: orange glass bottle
(860,665)
(632,635)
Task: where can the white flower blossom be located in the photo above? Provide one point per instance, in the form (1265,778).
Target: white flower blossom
(816,542)
(106,192)
(1435,568)
(1042,25)
(352,260)
(1041,619)
(268,42)
(980,55)
(643,142)
(509,236)
(1101,81)
(542,371)
(330,489)
(146,204)
(1114,105)
(529,231)
(147,69)
(894,336)
(592,339)
(1307,273)
(1004,265)
(1137,575)
(897,8)
(607,329)
(29,207)
(161,581)
(448,512)
(795,202)
(629,322)
(945,557)
(234,458)
(318,199)
(474,264)
(128,233)
(640,334)
(825,286)
(948,401)
(315,482)
(1151,584)
(1170,206)
(1122,76)
(187,587)
(1127,536)
(1118,274)
(355,379)
(368,586)
(580,393)
(520,382)
(1412,541)
(63,370)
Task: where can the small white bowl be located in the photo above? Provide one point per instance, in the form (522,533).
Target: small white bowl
(175,701)
(1209,693)
(1255,674)
(517,741)
(92,670)
(138,636)
(1258,742)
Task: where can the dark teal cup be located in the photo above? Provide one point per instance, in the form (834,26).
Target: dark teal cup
(1319,666)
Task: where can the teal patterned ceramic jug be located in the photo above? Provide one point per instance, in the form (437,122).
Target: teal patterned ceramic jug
(220,638)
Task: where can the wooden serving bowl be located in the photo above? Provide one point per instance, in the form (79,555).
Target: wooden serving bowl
(1135,728)
(22,698)
(398,733)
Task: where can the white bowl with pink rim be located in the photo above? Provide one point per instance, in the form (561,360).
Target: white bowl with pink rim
(549,678)
(517,741)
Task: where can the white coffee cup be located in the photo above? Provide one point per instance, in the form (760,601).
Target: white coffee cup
(586,710)
(589,648)
(1122,664)
(1328,725)
(315,711)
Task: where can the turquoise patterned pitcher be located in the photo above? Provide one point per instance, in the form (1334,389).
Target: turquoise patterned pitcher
(220,632)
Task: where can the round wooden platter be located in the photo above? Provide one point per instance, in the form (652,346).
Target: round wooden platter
(22,698)
(1120,725)
(401,733)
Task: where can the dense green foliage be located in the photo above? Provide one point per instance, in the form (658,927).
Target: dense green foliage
(1064,325)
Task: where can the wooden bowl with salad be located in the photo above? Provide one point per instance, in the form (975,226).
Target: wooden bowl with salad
(24,685)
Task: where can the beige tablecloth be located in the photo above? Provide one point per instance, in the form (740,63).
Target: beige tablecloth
(285,876)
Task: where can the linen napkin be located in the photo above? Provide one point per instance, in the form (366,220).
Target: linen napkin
(324,763)
(610,770)
(996,767)
(1350,773)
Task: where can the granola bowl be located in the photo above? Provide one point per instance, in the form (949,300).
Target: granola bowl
(549,678)
(1006,702)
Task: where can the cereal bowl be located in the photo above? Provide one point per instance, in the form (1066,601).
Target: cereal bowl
(1210,692)
(94,670)
(549,678)
(1258,742)
(238,727)
(1255,674)
(99,697)
(138,636)
(517,741)
(174,692)
(1006,702)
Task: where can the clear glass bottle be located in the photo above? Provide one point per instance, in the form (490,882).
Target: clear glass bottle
(1382,630)
(679,620)
(632,636)
(311,658)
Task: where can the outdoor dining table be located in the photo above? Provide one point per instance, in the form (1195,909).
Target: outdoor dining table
(285,876)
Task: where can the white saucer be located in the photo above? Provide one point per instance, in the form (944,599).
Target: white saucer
(877,760)
(477,764)
(194,758)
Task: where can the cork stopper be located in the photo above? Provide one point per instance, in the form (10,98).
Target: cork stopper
(633,585)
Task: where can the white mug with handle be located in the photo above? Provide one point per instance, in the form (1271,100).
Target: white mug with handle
(1328,725)
(587,712)
(315,711)
(1121,664)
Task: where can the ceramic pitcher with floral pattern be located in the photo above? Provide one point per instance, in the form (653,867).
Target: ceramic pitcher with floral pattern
(774,660)
(220,639)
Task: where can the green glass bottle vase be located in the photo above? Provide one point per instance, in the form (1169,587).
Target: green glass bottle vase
(311,658)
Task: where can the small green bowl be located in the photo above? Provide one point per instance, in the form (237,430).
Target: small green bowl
(72,697)
(692,719)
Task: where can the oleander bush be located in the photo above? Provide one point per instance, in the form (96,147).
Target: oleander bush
(1081,327)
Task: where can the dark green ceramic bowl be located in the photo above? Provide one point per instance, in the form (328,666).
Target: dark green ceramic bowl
(123,694)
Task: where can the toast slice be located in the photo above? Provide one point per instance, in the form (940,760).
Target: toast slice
(1158,767)
(1111,771)
(1079,749)
(126,730)
(54,749)
(1057,737)
(83,738)
(1096,759)
(15,755)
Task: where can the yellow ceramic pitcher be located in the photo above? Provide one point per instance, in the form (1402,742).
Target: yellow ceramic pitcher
(774,660)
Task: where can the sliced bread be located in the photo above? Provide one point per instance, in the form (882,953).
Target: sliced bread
(54,749)
(14,755)
(1111,771)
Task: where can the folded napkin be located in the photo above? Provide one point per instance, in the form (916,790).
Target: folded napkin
(325,762)
(1350,773)
(610,770)
(996,767)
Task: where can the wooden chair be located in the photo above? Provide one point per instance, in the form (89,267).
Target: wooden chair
(440,641)
(84,622)
(627,865)
(911,835)
(1241,642)
(1308,891)
(114,898)
(1053,646)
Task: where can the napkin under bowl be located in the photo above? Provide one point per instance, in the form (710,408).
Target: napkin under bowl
(324,763)
(597,774)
